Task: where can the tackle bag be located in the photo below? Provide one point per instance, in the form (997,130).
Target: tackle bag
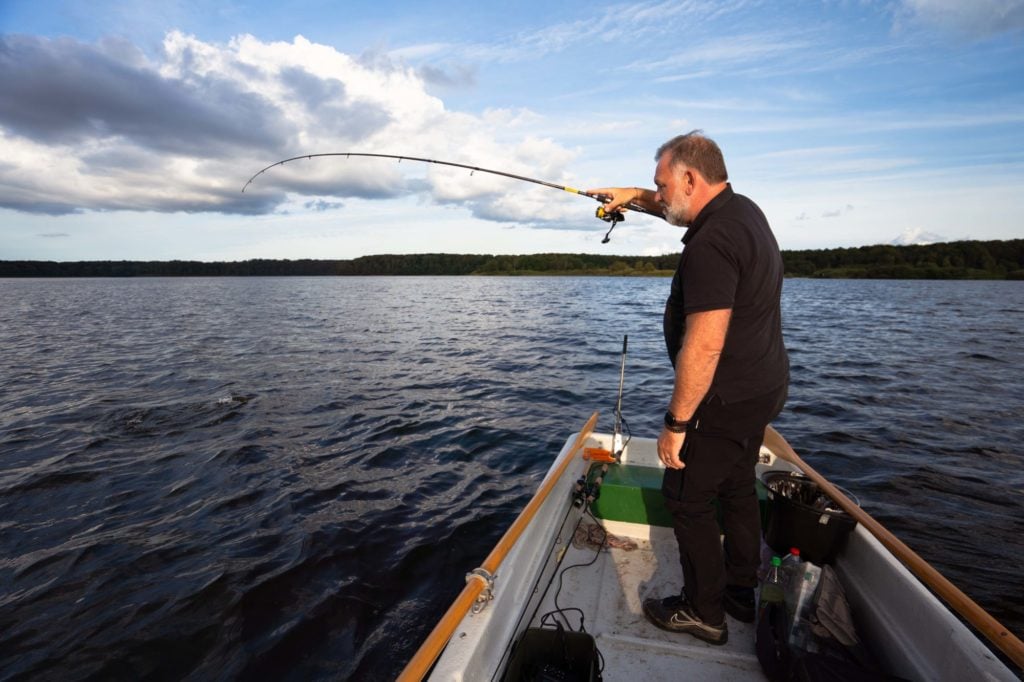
(770,642)
(834,652)
(549,655)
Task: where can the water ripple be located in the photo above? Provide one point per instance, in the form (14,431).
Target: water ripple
(288,478)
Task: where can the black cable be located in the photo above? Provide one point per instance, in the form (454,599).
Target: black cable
(551,617)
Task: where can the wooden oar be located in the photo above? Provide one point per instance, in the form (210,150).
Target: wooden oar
(996,633)
(431,648)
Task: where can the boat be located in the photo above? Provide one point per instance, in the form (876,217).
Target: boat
(526,583)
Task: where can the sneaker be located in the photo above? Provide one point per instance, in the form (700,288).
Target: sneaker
(739,603)
(675,615)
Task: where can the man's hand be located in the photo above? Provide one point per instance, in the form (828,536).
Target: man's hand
(617,197)
(670,444)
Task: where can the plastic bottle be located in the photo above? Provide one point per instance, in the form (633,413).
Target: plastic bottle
(799,597)
(772,590)
(791,560)
(790,572)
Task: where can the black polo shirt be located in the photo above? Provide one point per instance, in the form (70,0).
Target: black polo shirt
(731,260)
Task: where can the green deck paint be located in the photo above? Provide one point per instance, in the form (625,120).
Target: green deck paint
(633,494)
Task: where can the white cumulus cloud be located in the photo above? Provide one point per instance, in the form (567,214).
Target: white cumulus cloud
(917,236)
(103,127)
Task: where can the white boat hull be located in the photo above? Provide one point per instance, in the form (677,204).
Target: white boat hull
(910,631)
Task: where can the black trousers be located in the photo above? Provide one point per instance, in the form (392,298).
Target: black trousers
(720,452)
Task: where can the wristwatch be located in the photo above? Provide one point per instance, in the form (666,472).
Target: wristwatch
(675,425)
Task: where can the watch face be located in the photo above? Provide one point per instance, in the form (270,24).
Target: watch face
(675,424)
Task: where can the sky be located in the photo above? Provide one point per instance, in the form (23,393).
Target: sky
(128,128)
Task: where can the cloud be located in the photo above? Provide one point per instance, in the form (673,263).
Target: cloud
(102,127)
(54,235)
(977,18)
(917,236)
(65,92)
(835,213)
(719,53)
(320,205)
(617,23)
(456,76)
(328,101)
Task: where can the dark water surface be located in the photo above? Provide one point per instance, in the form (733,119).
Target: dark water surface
(288,478)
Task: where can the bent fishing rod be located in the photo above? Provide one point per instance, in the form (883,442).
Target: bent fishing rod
(613,217)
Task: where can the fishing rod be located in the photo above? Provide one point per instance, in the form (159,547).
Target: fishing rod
(613,217)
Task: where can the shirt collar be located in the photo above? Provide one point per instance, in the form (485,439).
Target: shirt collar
(720,200)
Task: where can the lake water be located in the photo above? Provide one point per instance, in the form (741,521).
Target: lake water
(288,478)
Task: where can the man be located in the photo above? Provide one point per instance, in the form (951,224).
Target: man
(723,330)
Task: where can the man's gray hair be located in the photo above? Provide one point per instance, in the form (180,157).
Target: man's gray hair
(697,152)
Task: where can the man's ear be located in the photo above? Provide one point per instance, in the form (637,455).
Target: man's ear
(689,181)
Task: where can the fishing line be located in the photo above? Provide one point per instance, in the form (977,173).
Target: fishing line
(613,217)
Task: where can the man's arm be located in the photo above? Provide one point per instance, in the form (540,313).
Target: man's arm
(620,196)
(695,368)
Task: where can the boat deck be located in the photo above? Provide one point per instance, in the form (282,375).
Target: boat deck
(903,625)
(633,648)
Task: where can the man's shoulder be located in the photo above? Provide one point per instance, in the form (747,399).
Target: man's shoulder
(737,217)
(738,207)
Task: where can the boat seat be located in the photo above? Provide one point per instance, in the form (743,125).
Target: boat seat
(632,494)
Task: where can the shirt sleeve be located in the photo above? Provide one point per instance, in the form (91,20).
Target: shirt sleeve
(710,277)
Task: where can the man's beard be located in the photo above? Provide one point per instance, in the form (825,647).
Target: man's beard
(675,213)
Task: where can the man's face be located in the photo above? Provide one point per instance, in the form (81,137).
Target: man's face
(673,185)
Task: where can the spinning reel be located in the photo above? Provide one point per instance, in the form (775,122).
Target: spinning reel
(613,217)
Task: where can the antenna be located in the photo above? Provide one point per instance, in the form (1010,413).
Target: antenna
(617,445)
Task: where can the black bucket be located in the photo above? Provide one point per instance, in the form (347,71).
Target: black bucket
(801,515)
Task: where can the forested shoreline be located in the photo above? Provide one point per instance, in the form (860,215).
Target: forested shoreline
(949,260)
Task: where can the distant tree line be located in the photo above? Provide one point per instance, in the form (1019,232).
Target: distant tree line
(949,260)
(172,268)
(952,260)
(410,264)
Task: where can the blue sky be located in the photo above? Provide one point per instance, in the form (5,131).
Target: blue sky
(127,128)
